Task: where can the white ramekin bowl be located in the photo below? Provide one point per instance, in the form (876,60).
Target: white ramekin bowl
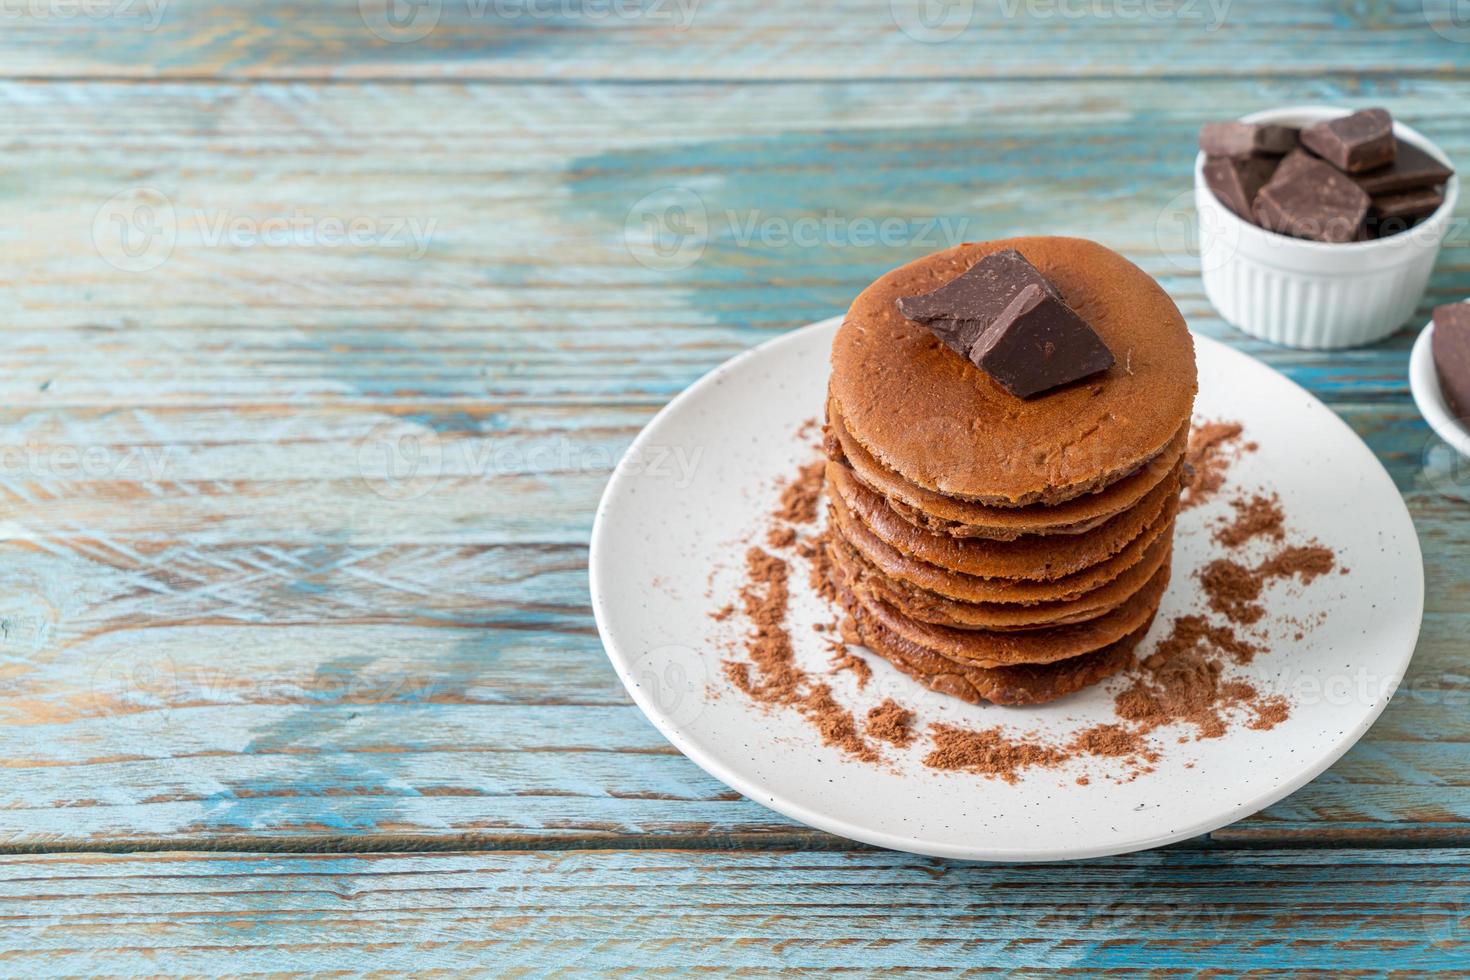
(1301,293)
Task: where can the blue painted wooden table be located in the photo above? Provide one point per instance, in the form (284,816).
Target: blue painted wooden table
(325,322)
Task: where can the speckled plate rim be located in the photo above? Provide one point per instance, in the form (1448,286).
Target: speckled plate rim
(602,563)
(1429,398)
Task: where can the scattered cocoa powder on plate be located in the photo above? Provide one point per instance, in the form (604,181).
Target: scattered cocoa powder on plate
(989,752)
(1212,448)
(781,537)
(1305,562)
(1185,681)
(776,679)
(1257,515)
(844,659)
(835,724)
(1232,589)
(799,498)
(891,722)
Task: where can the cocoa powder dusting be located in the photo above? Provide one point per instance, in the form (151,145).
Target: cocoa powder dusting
(1232,589)
(781,537)
(835,724)
(799,498)
(1184,681)
(765,596)
(988,752)
(1210,452)
(891,722)
(1305,562)
(843,659)
(1259,515)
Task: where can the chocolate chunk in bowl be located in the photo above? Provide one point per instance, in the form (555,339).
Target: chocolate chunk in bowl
(1243,140)
(1312,200)
(1355,143)
(1236,182)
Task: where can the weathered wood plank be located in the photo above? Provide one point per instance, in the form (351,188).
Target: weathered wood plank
(699,39)
(1337,913)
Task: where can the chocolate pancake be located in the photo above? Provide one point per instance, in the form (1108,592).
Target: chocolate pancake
(965,519)
(938,421)
(1031,557)
(970,588)
(930,607)
(985,648)
(1020,684)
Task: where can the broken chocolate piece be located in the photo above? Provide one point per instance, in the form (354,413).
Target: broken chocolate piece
(1238,139)
(1235,182)
(960,310)
(1355,143)
(1450,344)
(1038,343)
(1412,168)
(1309,199)
(1409,204)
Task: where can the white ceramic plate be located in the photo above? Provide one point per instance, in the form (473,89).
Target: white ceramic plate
(1424,383)
(695,489)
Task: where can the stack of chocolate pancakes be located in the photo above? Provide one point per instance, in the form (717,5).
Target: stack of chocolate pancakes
(994,547)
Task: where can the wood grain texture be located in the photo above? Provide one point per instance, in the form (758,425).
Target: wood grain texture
(1318,913)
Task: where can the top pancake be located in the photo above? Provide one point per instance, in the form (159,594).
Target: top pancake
(930,415)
